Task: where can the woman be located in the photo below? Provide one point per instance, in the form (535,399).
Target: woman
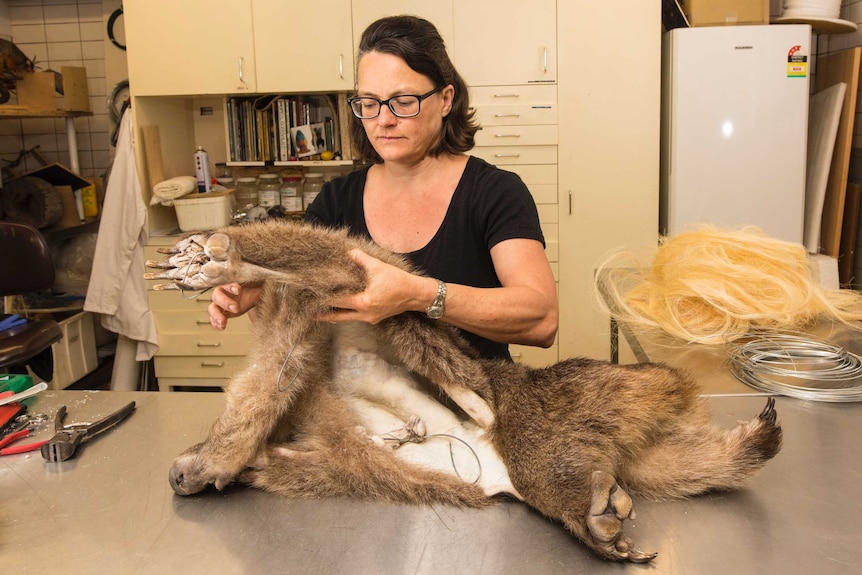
(455,217)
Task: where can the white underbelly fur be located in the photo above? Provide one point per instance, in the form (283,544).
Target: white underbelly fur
(384,397)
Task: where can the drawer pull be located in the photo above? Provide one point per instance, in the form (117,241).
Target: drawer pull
(202,344)
(507,115)
(507,155)
(507,135)
(212,364)
(202,322)
(507,95)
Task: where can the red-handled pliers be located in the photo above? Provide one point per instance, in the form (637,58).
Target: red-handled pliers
(13,437)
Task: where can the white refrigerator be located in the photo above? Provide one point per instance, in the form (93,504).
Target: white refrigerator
(734,128)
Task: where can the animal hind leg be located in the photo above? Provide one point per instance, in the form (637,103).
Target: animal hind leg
(695,459)
(598,521)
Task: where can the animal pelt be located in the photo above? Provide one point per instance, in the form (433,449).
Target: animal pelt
(326,410)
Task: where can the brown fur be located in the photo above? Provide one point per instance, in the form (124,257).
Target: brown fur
(573,436)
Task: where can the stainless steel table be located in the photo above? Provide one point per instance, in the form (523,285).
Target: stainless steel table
(111,510)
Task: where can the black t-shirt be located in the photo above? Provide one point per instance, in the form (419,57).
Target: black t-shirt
(489,206)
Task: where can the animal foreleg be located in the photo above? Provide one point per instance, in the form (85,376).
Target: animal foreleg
(203,260)
(430,352)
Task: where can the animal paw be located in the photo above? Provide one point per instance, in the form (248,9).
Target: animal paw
(196,262)
(191,473)
(609,508)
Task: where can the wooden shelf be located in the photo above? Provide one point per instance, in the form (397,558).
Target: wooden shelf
(9,111)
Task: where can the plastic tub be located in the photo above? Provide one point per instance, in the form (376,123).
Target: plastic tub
(208,211)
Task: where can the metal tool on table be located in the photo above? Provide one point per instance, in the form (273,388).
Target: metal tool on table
(20,430)
(68,438)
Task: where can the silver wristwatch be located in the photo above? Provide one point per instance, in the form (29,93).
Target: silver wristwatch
(438,306)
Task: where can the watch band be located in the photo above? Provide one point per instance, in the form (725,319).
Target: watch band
(438,306)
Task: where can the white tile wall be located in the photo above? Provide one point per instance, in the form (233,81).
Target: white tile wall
(59,33)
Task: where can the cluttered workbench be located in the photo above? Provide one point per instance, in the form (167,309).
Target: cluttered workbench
(110,509)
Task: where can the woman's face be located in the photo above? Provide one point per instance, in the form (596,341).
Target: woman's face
(401,140)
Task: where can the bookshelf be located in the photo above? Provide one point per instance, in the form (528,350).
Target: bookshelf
(287,130)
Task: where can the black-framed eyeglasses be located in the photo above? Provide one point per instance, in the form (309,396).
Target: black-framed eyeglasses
(403,106)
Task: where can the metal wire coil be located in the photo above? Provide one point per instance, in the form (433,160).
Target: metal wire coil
(798,366)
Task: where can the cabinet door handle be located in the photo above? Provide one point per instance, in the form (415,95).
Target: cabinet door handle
(545,60)
(507,95)
(241,78)
(507,155)
(570,202)
(507,135)
(202,344)
(212,364)
(203,322)
(507,115)
(341,66)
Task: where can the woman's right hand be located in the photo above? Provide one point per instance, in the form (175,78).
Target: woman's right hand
(232,300)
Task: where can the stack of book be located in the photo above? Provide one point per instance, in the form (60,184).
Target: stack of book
(281,128)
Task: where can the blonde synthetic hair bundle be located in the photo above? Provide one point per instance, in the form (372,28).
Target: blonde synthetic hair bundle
(716,285)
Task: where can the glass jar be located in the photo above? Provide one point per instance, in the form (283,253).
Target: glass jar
(268,191)
(246,192)
(291,194)
(226,182)
(311,187)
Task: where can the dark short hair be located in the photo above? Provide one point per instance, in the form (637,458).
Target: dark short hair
(419,44)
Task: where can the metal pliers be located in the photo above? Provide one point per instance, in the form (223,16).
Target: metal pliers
(67,438)
(20,428)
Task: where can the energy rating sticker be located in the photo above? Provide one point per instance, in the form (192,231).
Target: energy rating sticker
(797,64)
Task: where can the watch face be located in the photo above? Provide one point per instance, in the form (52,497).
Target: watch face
(435,312)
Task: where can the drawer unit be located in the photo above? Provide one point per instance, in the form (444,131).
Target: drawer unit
(514,105)
(192,367)
(525,96)
(513,155)
(519,133)
(513,135)
(192,353)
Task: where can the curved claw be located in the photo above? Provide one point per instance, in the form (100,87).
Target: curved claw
(638,556)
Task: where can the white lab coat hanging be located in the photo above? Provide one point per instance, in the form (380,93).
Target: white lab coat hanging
(117,288)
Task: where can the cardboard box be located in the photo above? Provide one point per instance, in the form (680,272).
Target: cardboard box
(726,12)
(37,91)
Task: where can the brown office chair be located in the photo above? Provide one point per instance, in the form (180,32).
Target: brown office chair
(25,267)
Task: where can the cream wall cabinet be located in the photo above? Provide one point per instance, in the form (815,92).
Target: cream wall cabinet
(304,45)
(506,42)
(189,47)
(197,47)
